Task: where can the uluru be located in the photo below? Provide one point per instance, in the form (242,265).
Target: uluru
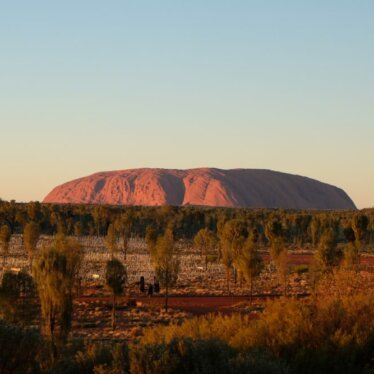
(247,188)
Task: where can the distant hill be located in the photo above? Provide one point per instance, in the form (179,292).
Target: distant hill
(254,188)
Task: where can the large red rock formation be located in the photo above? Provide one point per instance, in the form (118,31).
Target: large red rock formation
(207,186)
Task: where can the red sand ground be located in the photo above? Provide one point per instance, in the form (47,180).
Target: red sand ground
(224,304)
(212,304)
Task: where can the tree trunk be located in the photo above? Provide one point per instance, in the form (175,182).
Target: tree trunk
(251,295)
(125,247)
(114,312)
(51,326)
(228,278)
(166,298)
(206,263)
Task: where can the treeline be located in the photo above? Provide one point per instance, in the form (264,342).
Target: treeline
(298,227)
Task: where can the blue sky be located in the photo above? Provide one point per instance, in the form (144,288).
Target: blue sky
(87,86)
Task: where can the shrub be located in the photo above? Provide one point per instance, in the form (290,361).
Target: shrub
(18,349)
(185,356)
(300,269)
(333,332)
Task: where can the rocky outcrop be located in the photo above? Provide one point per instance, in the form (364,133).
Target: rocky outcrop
(253,188)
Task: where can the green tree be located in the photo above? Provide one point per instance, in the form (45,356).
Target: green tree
(250,261)
(116,278)
(34,211)
(78,229)
(166,263)
(232,238)
(151,239)
(74,255)
(100,217)
(360,224)
(55,270)
(123,226)
(5,235)
(328,254)
(205,241)
(111,240)
(275,234)
(19,349)
(15,292)
(314,228)
(351,250)
(30,239)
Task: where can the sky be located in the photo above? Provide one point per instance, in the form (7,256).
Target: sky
(90,85)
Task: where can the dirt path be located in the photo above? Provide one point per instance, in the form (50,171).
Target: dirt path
(203,304)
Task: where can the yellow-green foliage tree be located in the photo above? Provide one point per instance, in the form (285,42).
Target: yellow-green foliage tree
(151,239)
(16,290)
(30,239)
(123,225)
(328,254)
(116,278)
(205,242)
(360,224)
(111,240)
(55,270)
(250,262)
(351,250)
(165,262)
(5,235)
(232,238)
(275,234)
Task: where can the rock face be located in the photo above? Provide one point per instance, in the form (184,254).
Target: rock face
(252,188)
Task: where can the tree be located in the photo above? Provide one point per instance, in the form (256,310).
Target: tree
(30,239)
(116,278)
(15,292)
(250,261)
(351,256)
(282,265)
(328,254)
(5,235)
(275,234)
(34,211)
(74,255)
(111,240)
(100,217)
(151,239)
(205,241)
(232,239)
(123,225)
(360,224)
(166,264)
(78,229)
(19,349)
(55,270)
(351,251)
